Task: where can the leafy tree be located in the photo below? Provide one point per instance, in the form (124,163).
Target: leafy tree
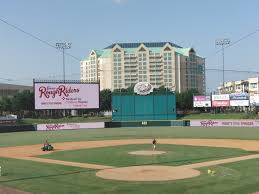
(23,101)
(105,100)
(130,89)
(6,104)
(184,100)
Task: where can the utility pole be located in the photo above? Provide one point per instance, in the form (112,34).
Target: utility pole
(222,42)
(63,46)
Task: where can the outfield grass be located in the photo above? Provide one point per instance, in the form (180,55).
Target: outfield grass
(40,178)
(118,155)
(37,137)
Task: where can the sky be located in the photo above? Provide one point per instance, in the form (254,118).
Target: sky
(98,23)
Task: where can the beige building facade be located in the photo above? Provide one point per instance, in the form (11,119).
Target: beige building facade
(9,90)
(251,86)
(122,65)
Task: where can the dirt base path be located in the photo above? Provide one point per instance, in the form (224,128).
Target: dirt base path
(9,190)
(67,163)
(144,173)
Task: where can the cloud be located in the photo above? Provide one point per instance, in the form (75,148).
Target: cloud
(119,1)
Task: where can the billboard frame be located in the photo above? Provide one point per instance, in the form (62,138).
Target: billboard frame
(66,82)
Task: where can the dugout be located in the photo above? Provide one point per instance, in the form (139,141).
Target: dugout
(154,106)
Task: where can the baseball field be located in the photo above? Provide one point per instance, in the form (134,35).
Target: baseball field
(189,160)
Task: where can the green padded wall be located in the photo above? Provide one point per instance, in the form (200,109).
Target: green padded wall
(150,107)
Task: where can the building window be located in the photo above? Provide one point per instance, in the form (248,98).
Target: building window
(142,66)
(168,68)
(253,85)
(117,70)
(92,60)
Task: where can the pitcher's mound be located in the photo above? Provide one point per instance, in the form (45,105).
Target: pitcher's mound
(147,152)
(147,173)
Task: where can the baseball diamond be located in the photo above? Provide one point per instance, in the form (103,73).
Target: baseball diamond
(100,156)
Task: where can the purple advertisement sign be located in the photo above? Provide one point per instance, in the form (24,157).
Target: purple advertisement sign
(66,96)
(201,98)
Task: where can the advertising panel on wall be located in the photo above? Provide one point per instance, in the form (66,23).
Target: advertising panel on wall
(201,101)
(239,99)
(254,100)
(66,95)
(239,96)
(220,103)
(221,100)
(239,102)
(224,123)
(63,126)
(220,97)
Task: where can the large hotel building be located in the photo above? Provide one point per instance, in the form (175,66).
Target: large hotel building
(122,65)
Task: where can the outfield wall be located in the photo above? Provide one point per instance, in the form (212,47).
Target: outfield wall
(145,123)
(16,128)
(141,108)
(64,126)
(224,123)
(115,124)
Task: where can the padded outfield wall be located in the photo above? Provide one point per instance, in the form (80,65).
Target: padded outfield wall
(149,107)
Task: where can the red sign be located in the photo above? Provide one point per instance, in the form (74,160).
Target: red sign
(220,103)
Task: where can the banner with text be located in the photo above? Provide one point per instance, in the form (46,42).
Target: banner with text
(201,101)
(221,100)
(239,102)
(220,97)
(66,96)
(239,96)
(224,123)
(239,99)
(62,126)
(220,103)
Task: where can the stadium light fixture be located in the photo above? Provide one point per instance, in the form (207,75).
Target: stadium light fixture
(223,42)
(63,46)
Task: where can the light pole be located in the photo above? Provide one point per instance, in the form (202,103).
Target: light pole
(222,42)
(63,46)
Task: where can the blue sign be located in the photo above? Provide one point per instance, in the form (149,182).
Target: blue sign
(239,96)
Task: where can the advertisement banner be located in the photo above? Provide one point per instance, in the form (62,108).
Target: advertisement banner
(239,102)
(220,103)
(62,126)
(239,96)
(224,123)
(202,104)
(201,101)
(201,98)
(220,97)
(66,96)
(254,100)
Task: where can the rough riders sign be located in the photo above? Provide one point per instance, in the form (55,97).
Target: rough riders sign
(66,96)
(143,88)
